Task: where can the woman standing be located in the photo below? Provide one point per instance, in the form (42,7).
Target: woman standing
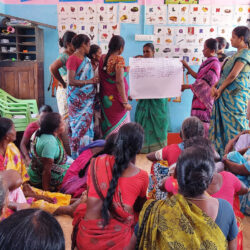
(114,88)
(232,93)
(81,95)
(94,55)
(152,115)
(223,44)
(207,76)
(59,71)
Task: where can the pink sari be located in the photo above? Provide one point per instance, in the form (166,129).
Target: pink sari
(202,104)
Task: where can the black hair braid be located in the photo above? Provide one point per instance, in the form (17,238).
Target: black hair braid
(122,159)
(106,59)
(128,143)
(115,44)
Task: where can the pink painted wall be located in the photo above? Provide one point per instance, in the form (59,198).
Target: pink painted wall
(221,2)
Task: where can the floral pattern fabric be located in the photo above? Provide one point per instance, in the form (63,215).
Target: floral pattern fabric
(113,114)
(176,223)
(81,109)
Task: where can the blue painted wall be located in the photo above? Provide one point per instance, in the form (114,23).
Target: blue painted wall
(48,14)
(2,8)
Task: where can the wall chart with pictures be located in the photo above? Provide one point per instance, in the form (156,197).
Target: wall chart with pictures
(99,21)
(180,30)
(188,26)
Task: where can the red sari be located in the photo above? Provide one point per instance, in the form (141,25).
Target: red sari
(113,113)
(117,234)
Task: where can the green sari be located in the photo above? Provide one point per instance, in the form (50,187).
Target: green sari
(152,115)
(229,111)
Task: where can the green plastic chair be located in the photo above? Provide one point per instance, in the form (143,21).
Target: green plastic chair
(9,98)
(21,112)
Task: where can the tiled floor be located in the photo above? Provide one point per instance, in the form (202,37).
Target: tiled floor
(143,163)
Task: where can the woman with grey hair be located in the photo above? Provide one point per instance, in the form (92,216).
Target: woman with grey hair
(167,156)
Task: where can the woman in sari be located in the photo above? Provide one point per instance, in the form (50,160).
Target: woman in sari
(191,219)
(232,93)
(81,95)
(114,88)
(94,55)
(116,191)
(29,131)
(238,162)
(222,45)
(164,158)
(48,163)
(75,180)
(152,115)
(13,169)
(207,76)
(4,211)
(59,71)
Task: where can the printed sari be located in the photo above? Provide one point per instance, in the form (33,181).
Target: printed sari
(117,234)
(13,160)
(202,104)
(176,223)
(58,169)
(81,109)
(113,113)
(166,157)
(236,157)
(229,111)
(152,114)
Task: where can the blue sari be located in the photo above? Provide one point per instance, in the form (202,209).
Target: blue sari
(244,160)
(81,106)
(229,111)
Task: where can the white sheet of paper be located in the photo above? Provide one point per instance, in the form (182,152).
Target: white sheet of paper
(155,78)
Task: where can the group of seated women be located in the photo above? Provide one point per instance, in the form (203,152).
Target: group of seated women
(198,207)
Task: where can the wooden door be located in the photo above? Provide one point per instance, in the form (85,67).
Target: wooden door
(26,78)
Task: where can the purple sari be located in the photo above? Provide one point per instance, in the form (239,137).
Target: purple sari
(202,104)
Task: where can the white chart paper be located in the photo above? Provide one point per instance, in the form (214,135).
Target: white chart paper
(155,78)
